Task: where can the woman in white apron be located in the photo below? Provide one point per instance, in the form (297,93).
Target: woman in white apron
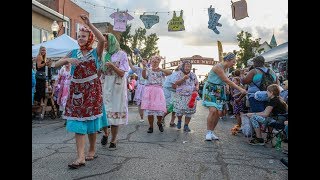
(114,65)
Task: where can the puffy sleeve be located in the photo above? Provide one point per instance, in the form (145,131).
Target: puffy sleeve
(124,65)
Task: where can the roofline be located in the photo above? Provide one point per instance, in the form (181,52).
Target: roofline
(48,12)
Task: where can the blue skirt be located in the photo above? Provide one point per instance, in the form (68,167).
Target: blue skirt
(88,126)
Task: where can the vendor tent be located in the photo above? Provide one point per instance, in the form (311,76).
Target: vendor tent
(278,53)
(58,47)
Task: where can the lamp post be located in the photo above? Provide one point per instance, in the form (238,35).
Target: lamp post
(55,28)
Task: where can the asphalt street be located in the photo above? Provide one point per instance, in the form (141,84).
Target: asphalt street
(173,154)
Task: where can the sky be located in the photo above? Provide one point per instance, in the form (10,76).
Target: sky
(265,18)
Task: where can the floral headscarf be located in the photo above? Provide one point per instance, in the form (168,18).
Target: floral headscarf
(88,45)
(183,64)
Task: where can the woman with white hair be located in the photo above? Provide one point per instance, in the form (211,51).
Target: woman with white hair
(153,100)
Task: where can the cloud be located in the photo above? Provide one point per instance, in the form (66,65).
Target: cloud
(265,34)
(283,34)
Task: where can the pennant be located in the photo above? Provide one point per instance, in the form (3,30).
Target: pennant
(149,20)
(120,20)
(213,20)
(239,10)
(176,23)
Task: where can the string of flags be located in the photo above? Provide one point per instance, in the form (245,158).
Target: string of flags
(176,23)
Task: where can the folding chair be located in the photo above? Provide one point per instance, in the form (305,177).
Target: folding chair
(277,125)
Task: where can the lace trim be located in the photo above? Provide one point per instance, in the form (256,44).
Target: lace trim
(83,118)
(83,80)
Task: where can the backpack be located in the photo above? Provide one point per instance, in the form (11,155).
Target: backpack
(266,80)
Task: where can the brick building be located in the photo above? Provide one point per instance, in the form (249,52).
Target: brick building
(42,19)
(69,9)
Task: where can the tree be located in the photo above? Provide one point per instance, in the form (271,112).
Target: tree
(150,48)
(246,44)
(147,44)
(125,39)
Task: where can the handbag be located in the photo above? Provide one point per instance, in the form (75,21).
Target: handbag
(41,75)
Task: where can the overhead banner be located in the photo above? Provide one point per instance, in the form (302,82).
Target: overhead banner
(195,60)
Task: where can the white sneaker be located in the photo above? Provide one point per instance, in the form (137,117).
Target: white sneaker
(214,137)
(141,120)
(209,136)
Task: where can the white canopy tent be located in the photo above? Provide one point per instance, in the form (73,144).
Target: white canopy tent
(278,53)
(58,47)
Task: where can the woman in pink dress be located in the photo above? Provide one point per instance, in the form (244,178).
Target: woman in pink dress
(64,78)
(153,100)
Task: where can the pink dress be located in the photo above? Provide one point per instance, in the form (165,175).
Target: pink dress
(64,77)
(153,100)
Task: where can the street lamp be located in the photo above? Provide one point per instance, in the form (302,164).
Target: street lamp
(55,28)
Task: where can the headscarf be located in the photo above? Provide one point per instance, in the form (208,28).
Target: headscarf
(229,56)
(88,45)
(183,64)
(113,47)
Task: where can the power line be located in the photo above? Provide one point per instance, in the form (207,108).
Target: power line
(135,12)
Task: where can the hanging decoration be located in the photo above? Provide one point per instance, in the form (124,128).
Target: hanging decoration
(213,20)
(120,20)
(149,20)
(176,23)
(239,10)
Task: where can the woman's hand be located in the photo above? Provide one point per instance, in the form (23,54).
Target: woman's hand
(243,91)
(109,65)
(73,61)
(249,114)
(85,19)
(185,77)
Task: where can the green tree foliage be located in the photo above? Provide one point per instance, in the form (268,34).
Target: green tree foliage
(246,44)
(147,44)
(125,39)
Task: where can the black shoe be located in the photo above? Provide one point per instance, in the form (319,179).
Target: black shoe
(257,141)
(104,140)
(112,146)
(160,127)
(285,162)
(150,130)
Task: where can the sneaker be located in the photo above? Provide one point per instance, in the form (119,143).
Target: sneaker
(112,146)
(104,140)
(186,128)
(141,120)
(209,136)
(257,141)
(179,125)
(214,137)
